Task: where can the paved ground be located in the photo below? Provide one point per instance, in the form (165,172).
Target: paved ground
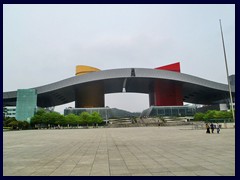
(142,151)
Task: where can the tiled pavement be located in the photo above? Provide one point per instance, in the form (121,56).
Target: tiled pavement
(142,151)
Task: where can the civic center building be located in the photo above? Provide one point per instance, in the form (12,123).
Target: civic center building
(166,86)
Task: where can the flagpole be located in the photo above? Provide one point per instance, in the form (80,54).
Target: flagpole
(229,86)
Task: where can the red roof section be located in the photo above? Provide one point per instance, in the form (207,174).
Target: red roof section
(171,67)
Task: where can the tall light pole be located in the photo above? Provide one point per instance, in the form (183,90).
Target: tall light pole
(229,86)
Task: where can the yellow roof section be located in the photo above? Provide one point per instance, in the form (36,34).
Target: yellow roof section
(81,69)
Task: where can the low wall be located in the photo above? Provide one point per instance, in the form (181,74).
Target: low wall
(227,125)
(202,125)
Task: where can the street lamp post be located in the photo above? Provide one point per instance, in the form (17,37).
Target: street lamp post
(229,86)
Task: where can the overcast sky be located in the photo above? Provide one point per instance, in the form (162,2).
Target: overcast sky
(43,44)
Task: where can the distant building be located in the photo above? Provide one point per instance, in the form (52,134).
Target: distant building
(217,107)
(232,80)
(10,111)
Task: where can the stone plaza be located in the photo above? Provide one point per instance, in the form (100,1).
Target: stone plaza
(133,151)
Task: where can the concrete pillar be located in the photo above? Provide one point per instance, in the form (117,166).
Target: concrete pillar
(166,93)
(90,95)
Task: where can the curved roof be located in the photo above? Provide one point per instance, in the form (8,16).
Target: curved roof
(139,80)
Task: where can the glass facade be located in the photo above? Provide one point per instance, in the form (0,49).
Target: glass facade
(26,104)
(106,113)
(155,111)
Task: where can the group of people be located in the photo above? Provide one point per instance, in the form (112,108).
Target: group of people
(212,127)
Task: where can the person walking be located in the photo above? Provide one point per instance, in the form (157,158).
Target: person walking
(212,127)
(208,128)
(218,128)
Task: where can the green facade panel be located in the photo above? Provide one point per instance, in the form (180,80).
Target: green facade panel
(26,104)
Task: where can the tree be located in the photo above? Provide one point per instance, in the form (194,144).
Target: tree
(96,118)
(61,120)
(47,118)
(226,114)
(91,120)
(80,121)
(41,112)
(213,115)
(217,115)
(85,117)
(199,116)
(25,125)
(36,120)
(38,117)
(72,119)
(209,115)
(20,125)
(14,124)
(52,118)
(58,117)
(8,120)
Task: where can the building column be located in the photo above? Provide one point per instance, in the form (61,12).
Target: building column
(90,95)
(166,94)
